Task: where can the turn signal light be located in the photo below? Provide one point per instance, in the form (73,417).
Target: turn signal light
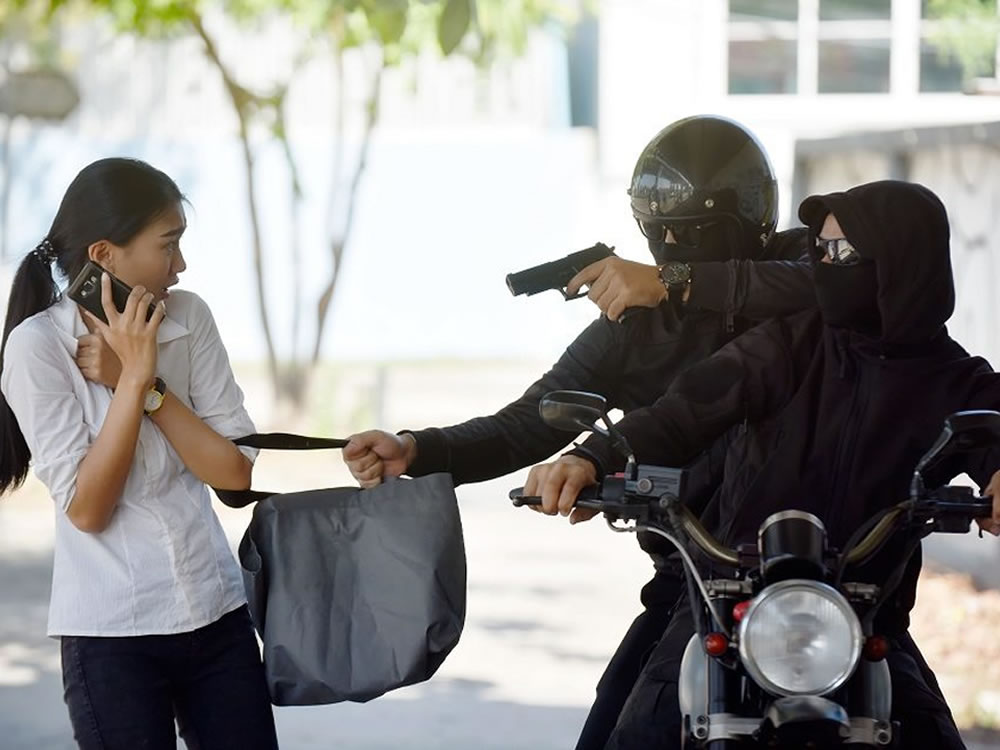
(740,610)
(716,644)
(876,648)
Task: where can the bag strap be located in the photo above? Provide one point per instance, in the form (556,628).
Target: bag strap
(282,441)
(286,441)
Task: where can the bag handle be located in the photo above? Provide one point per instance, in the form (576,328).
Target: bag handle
(286,441)
(282,441)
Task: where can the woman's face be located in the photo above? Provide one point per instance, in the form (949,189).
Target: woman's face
(153,258)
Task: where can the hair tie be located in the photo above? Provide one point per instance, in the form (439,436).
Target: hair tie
(45,251)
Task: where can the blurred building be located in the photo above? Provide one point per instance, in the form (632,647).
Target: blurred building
(475,173)
(840,92)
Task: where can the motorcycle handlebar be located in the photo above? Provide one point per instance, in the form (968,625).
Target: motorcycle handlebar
(591,498)
(978,507)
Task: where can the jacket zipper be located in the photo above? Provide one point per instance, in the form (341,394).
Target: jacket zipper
(845,452)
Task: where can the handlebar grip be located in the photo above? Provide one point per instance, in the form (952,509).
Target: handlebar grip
(521,500)
(982,507)
(589,497)
(976,507)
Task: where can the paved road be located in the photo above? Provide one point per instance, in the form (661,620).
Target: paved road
(547,605)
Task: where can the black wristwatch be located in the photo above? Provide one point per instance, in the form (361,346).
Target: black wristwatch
(675,276)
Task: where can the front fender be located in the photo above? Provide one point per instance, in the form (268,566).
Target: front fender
(692,686)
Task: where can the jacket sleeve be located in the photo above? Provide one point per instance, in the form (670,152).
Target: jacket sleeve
(779,285)
(982,464)
(515,437)
(748,379)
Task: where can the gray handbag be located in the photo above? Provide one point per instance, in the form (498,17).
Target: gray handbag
(354,592)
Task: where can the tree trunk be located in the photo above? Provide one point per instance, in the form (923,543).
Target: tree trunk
(339,242)
(293,385)
(240,99)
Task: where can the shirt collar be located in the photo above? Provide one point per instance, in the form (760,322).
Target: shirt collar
(69,323)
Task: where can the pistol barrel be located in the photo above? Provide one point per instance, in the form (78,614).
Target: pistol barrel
(555,274)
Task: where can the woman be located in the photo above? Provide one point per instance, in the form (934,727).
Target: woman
(127,423)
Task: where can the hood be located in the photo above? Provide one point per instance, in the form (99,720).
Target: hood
(903,227)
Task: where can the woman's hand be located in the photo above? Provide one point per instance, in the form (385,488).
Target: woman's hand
(97,361)
(128,334)
(992,524)
(559,483)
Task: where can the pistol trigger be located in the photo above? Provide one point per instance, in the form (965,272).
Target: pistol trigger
(569,297)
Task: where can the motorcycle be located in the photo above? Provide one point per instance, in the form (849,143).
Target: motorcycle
(784,652)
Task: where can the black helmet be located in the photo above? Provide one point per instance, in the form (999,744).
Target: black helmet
(705,170)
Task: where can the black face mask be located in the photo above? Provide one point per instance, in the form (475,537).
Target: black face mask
(713,244)
(848,296)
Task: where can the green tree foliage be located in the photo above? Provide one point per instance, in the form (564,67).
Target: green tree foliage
(968,30)
(387,31)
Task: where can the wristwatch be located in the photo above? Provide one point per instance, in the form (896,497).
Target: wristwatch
(154,396)
(675,276)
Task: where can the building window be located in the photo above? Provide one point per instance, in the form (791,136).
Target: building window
(942,41)
(850,40)
(847,46)
(758,10)
(858,66)
(854,10)
(939,70)
(763,67)
(763,47)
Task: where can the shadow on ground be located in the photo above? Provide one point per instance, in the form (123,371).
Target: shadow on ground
(450,714)
(445,714)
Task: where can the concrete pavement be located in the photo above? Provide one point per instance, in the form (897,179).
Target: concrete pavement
(547,605)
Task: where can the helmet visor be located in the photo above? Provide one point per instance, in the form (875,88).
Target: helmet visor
(658,190)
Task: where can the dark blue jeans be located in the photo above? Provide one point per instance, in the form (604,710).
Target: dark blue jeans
(126,692)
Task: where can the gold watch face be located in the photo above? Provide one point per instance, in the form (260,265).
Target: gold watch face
(152,401)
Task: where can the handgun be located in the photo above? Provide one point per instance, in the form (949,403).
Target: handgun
(556,274)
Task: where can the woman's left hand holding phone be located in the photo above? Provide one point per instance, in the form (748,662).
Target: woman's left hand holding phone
(124,349)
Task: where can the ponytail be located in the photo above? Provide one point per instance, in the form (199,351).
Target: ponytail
(32,291)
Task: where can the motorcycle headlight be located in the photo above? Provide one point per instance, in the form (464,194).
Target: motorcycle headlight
(800,637)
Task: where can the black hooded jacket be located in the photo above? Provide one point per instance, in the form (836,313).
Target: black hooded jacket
(630,363)
(832,421)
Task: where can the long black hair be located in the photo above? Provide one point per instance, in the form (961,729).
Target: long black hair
(110,199)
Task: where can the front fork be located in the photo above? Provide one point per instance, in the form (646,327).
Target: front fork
(723,682)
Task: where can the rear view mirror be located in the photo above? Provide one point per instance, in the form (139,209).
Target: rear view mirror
(963,431)
(573,411)
(579,411)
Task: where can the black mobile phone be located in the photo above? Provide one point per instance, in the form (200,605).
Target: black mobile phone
(86,291)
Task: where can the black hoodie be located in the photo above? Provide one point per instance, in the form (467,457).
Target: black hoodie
(834,420)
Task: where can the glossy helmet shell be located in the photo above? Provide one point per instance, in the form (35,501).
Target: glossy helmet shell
(707,168)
